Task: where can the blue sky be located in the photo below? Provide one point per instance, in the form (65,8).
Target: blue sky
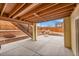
(50,23)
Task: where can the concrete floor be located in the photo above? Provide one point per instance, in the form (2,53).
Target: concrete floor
(44,46)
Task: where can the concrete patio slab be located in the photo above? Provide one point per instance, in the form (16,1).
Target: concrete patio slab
(44,46)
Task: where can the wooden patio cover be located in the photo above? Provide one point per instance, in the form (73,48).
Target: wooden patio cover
(21,14)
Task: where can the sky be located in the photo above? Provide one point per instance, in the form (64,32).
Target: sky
(51,23)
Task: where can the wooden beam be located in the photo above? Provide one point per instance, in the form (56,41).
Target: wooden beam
(29,27)
(51,17)
(61,11)
(22,28)
(34,35)
(23,17)
(26,10)
(35,14)
(17,10)
(47,7)
(56,9)
(53,14)
(3,9)
(14,20)
(57,16)
(13,39)
(52,10)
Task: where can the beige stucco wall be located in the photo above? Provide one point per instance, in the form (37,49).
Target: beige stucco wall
(67,32)
(74,16)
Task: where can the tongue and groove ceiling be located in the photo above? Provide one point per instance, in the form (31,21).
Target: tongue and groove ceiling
(34,12)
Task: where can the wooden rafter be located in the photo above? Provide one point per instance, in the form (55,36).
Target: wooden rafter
(3,9)
(22,28)
(58,13)
(51,16)
(47,7)
(23,17)
(16,10)
(26,10)
(62,11)
(38,16)
(36,11)
(56,16)
(57,9)
(14,20)
(53,11)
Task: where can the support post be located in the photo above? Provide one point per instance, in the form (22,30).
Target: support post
(67,32)
(28,27)
(34,30)
(0,46)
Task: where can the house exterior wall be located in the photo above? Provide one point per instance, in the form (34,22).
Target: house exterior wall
(74,17)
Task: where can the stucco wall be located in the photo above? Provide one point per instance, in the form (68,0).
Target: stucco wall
(74,16)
